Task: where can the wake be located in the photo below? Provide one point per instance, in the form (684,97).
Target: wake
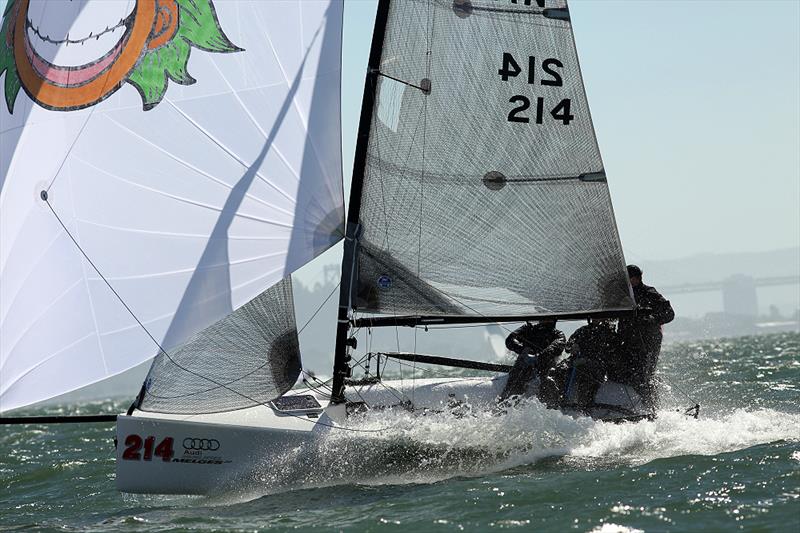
(406,448)
(530,432)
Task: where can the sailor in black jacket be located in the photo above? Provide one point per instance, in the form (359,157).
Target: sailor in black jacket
(537,345)
(597,341)
(641,335)
(594,354)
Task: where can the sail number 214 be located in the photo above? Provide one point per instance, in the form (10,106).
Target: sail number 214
(550,75)
(137,448)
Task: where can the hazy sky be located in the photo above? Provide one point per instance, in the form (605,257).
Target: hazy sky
(697,110)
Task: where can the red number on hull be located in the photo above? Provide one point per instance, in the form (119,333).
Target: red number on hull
(164,450)
(133,446)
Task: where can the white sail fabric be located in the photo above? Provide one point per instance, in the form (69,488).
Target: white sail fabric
(163,163)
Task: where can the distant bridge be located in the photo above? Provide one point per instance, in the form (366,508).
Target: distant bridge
(722,285)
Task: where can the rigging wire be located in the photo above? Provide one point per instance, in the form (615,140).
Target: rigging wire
(320,384)
(108,284)
(319,308)
(688,396)
(166,354)
(239,378)
(394,392)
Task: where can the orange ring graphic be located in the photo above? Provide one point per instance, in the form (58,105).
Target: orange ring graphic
(53,96)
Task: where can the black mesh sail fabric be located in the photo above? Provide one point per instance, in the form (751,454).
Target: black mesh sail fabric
(484,191)
(248,358)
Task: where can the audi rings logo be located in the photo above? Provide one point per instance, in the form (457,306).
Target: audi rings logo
(209,445)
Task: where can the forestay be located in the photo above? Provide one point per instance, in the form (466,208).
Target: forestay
(163,163)
(484,192)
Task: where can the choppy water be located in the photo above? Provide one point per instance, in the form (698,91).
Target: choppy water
(736,467)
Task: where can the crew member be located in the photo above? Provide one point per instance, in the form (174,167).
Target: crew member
(537,345)
(641,336)
(595,352)
(597,341)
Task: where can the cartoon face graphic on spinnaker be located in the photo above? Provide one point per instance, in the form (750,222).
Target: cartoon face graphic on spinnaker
(72,54)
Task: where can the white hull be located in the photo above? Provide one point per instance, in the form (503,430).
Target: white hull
(207,456)
(213,453)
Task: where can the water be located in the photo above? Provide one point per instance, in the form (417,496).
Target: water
(736,467)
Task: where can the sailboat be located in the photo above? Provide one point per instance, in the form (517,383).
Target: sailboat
(167,165)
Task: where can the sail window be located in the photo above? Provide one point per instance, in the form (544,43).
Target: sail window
(390,102)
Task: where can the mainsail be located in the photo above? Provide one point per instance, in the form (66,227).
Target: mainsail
(484,192)
(164,162)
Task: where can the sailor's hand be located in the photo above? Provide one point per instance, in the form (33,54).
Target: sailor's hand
(574,350)
(645,314)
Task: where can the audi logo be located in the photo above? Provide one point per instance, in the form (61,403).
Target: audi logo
(210,445)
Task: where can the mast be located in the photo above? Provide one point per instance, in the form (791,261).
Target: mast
(341,368)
